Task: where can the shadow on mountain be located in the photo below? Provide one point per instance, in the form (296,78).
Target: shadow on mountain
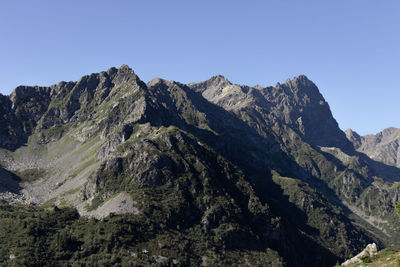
(229,136)
(300,234)
(9,182)
(255,155)
(387,172)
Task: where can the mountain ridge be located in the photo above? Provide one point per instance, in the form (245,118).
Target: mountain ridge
(383,146)
(199,156)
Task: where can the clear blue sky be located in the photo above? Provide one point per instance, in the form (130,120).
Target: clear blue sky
(350,49)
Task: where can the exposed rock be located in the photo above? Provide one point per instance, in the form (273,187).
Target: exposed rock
(370,250)
(120,204)
(353,137)
(215,83)
(383,146)
(198,155)
(297,103)
(11,129)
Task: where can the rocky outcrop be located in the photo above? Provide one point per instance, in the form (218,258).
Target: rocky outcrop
(369,251)
(299,104)
(353,137)
(29,104)
(213,84)
(296,103)
(11,130)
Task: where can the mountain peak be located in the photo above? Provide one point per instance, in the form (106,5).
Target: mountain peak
(350,131)
(214,83)
(301,77)
(125,67)
(219,77)
(299,81)
(218,80)
(158,81)
(389,131)
(353,137)
(123,74)
(382,147)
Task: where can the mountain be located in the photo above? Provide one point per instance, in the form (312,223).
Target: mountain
(297,116)
(382,147)
(110,170)
(296,103)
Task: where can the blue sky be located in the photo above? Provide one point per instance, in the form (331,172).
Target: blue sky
(350,49)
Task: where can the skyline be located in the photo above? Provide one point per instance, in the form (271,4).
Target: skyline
(349,50)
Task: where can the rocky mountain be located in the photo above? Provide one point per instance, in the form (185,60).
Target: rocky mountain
(110,170)
(382,147)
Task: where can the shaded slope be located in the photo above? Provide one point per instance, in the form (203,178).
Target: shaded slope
(301,121)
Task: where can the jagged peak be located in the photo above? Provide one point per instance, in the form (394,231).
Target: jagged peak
(219,79)
(22,88)
(350,131)
(388,132)
(385,132)
(258,86)
(22,92)
(302,86)
(123,74)
(351,134)
(118,75)
(215,82)
(125,68)
(353,137)
(112,71)
(301,77)
(299,80)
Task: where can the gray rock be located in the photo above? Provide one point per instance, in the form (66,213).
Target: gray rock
(383,146)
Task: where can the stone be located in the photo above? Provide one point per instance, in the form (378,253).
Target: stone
(370,250)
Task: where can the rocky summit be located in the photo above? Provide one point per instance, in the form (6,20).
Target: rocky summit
(383,147)
(110,170)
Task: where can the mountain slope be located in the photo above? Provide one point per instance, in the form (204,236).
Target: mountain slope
(205,166)
(303,126)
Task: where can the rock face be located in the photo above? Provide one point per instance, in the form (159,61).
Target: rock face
(296,103)
(370,250)
(383,146)
(220,166)
(11,132)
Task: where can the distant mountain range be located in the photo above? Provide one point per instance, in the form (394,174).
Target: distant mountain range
(110,170)
(383,147)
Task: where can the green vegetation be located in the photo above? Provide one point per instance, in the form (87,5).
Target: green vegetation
(204,208)
(317,218)
(30,175)
(385,257)
(198,174)
(366,259)
(32,236)
(397,208)
(71,192)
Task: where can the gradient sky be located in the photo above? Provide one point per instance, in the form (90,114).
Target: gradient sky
(350,49)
